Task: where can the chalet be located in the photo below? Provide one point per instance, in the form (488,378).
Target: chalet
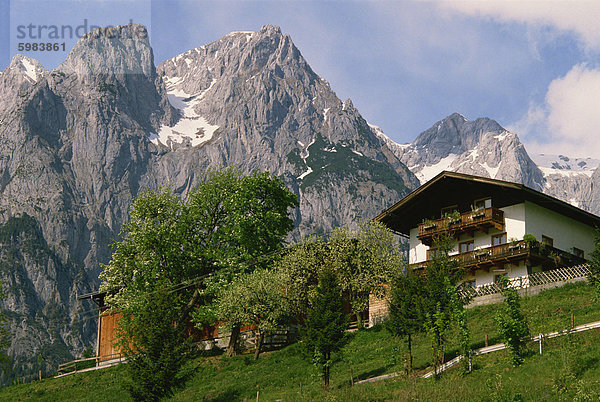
(500,228)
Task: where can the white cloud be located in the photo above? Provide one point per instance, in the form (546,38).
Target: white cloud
(580,17)
(569,120)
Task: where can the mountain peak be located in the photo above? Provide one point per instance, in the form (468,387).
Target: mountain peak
(481,147)
(456,116)
(29,68)
(124,49)
(271,29)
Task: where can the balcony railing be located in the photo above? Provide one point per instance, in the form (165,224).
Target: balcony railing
(482,219)
(511,252)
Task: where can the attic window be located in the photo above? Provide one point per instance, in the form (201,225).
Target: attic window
(483,203)
(448,210)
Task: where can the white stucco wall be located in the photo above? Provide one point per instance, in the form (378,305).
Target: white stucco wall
(514,221)
(566,232)
(417,251)
(483,277)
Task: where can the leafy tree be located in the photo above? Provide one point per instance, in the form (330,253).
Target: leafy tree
(155,347)
(256,299)
(301,266)
(154,253)
(438,307)
(4,339)
(226,223)
(325,325)
(364,260)
(405,309)
(513,325)
(460,316)
(195,246)
(594,276)
(242,222)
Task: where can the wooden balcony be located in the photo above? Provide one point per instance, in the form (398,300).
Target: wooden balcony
(468,222)
(511,253)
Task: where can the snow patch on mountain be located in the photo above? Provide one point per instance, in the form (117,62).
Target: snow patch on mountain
(191,127)
(564,165)
(492,171)
(429,172)
(30,69)
(303,175)
(387,140)
(304,156)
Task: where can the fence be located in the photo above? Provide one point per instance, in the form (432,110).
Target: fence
(535,279)
(87,363)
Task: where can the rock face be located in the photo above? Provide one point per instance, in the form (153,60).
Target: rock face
(250,99)
(78,143)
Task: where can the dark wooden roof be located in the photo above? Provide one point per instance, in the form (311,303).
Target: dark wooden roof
(96,297)
(451,188)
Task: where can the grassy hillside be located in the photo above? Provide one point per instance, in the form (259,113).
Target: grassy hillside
(569,368)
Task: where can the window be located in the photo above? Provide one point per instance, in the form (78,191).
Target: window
(498,278)
(448,210)
(499,239)
(547,241)
(434,253)
(578,252)
(466,247)
(469,284)
(483,203)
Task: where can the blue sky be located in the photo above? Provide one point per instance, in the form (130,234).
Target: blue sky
(534,66)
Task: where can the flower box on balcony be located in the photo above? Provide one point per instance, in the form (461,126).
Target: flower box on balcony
(482,254)
(478,214)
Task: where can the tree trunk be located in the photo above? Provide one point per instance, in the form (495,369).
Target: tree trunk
(233,340)
(326,371)
(259,340)
(359,320)
(185,311)
(410,358)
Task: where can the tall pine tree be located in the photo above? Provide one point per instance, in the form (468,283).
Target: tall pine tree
(325,325)
(405,307)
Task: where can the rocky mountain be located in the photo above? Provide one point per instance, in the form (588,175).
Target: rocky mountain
(483,147)
(78,143)
(569,179)
(251,99)
(480,147)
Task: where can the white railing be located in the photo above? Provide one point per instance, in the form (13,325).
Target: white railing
(535,279)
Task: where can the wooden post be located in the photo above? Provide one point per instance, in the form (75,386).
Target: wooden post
(351,378)
(540,343)
(486,340)
(40,375)
(470,361)
(572,320)
(300,388)
(257,393)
